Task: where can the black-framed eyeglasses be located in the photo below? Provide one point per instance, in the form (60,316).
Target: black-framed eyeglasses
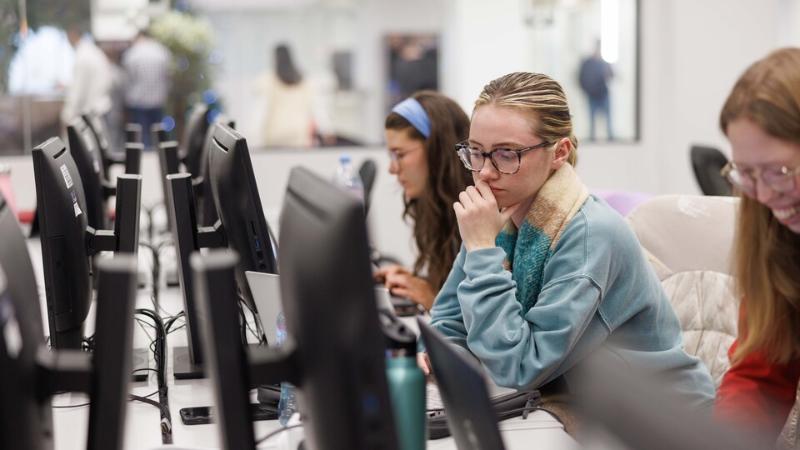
(745,179)
(505,160)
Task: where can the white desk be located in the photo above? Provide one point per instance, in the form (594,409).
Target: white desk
(539,427)
(142,430)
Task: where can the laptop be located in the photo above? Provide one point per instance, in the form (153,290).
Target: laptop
(470,415)
(266,289)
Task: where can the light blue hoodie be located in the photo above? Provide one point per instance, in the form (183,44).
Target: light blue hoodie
(597,290)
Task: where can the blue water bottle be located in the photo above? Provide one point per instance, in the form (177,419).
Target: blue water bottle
(347,178)
(406,386)
(287,405)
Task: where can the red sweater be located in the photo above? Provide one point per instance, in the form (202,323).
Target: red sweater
(758,394)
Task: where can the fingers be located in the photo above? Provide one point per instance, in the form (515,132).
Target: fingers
(485,191)
(465,198)
(424,363)
(397,280)
(403,292)
(381,273)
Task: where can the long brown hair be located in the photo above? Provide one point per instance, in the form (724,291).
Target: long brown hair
(541,97)
(435,226)
(766,253)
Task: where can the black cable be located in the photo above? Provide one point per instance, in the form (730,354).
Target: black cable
(259,334)
(159,354)
(171,321)
(149,401)
(277,432)
(179,327)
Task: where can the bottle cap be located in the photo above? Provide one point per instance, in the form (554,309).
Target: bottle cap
(399,337)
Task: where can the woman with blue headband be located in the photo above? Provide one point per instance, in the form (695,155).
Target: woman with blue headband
(421,133)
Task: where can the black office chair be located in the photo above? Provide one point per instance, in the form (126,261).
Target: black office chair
(367,171)
(707,162)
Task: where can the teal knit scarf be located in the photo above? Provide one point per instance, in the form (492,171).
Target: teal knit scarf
(529,248)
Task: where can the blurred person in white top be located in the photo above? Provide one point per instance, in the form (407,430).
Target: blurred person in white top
(147,70)
(294,114)
(90,88)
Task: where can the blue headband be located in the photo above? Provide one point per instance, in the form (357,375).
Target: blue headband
(413,112)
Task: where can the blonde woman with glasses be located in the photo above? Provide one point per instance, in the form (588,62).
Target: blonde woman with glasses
(548,274)
(761,119)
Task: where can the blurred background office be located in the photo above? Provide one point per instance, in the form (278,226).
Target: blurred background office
(673,62)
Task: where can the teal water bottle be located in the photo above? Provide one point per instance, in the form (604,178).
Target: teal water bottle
(406,386)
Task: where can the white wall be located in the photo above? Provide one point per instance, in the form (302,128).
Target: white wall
(481,41)
(700,49)
(691,54)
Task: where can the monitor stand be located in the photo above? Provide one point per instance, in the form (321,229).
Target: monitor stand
(140,363)
(183,368)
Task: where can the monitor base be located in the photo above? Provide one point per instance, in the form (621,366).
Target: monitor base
(182,366)
(141,361)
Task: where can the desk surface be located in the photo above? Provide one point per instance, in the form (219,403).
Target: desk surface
(143,421)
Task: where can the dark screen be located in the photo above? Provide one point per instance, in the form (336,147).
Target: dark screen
(328,300)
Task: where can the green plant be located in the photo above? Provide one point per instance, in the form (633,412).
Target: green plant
(189,38)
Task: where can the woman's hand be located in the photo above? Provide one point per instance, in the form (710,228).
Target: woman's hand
(479,218)
(402,283)
(424,363)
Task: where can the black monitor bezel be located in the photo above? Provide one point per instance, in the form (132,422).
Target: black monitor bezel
(237,202)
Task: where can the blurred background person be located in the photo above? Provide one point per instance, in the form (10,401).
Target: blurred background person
(421,134)
(90,88)
(147,73)
(594,75)
(413,66)
(292,117)
(115,118)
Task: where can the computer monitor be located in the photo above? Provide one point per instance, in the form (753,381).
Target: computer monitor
(68,242)
(132,154)
(470,414)
(113,351)
(327,292)
(639,409)
(99,132)
(89,162)
(194,135)
(335,351)
(188,238)
(25,411)
(227,362)
(235,193)
(206,210)
(16,261)
(24,421)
